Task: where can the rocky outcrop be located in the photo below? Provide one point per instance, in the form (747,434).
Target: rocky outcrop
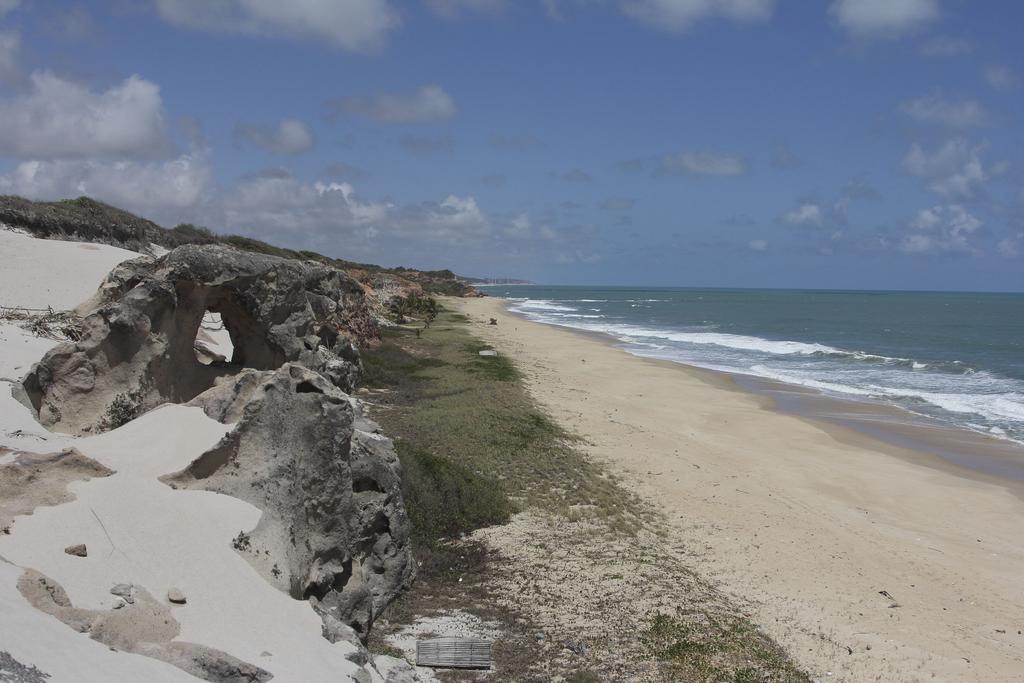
(137,346)
(334,528)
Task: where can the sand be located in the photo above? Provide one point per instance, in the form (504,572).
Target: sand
(805,525)
(40,273)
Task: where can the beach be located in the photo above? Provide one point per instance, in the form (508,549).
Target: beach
(865,560)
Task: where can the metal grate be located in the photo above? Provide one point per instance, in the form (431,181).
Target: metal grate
(454,653)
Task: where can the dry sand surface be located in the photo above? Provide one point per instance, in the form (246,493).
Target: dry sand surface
(867,563)
(41,273)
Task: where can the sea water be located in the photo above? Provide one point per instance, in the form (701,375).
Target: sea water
(953,357)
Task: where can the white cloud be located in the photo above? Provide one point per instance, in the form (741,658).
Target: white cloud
(152,188)
(1008,247)
(883,18)
(427,103)
(520,227)
(942,229)
(334,213)
(955,168)
(758,245)
(807,214)
(944,46)
(451,9)
(1001,77)
(679,15)
(358,25)
(58,119)
(10,44)
(704,162)
(938,110)
(289,137)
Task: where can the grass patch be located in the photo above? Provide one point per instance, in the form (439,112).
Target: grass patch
(707,647)
(446,403)
(445,498)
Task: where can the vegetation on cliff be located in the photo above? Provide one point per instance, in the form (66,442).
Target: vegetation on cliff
(87,220)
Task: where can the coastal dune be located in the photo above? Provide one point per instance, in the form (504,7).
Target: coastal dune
(867,562)
(149,579)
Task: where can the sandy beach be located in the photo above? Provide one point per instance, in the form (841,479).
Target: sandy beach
(865,561)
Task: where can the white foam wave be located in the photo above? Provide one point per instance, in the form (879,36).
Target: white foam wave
(541,305)
(732,341)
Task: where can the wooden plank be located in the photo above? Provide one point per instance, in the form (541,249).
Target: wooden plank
(454,653)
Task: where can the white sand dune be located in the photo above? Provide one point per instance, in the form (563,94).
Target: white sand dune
(38,273)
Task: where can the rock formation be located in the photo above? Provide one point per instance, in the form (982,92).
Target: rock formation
(137,347)
(334,528)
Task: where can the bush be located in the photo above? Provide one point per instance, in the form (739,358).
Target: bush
(445,499)
(122,410)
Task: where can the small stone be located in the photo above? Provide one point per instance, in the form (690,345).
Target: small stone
(119,603)
(124,590)
(78,550)
(538,635)
(176,596)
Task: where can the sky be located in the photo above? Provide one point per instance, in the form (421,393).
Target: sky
(855,144)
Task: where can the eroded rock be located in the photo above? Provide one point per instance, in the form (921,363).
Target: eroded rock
(138,342)
(334,528)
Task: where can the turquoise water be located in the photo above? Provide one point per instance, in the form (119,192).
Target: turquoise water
(953,357)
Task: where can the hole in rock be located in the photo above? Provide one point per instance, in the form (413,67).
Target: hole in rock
(361,484)
(307,388)
(213,341)
(338,582)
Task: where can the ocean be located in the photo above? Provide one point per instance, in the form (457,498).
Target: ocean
(953,358)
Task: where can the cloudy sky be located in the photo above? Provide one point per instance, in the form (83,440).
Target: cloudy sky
(766,143)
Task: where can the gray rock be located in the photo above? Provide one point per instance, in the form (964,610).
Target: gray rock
(124,590)
(334,528)
(395,670)
(78,550)
(137,348)
(176,596)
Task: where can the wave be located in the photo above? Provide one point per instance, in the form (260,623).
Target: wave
(731,341)
(995,407)
(542,305)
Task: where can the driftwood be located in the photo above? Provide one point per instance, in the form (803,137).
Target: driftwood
(45,322)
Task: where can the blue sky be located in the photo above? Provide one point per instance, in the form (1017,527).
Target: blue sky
(763,143)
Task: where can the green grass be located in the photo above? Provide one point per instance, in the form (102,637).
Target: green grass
(704,646)
(445,498)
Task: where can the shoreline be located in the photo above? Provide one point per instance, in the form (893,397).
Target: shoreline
(885,426)
(810,525)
